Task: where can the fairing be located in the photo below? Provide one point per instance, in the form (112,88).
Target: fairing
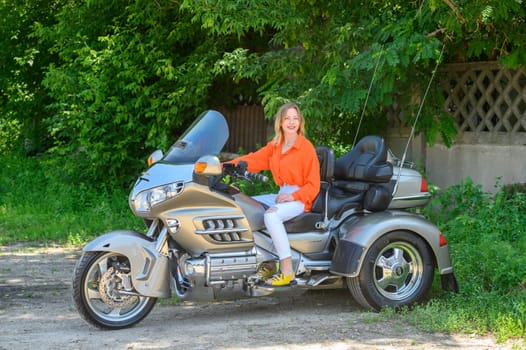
(206,136)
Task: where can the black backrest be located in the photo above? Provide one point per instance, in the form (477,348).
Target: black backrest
(326,159)
(367,161)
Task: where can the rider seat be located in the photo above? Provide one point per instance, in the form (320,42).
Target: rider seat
(364,173)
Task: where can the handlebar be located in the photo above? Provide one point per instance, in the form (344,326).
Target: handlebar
(255,176)
(240,171)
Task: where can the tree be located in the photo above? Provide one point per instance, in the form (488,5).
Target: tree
(23,59)
(123,77)
(324,55)
(132,73)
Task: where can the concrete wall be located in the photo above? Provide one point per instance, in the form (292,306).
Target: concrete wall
(482,163)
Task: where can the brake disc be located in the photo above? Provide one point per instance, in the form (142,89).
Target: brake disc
(109,286)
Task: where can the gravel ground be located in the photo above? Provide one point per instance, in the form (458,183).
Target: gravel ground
(36,312)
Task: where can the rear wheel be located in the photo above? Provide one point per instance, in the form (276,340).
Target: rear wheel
(397,270)
(103,294)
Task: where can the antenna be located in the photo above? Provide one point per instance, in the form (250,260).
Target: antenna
(367,97)
(416,119)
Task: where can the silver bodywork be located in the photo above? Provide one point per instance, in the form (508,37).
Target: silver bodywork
(217,257)
(407,192)
(376,225)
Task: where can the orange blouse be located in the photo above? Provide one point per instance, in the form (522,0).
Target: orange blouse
(298,166)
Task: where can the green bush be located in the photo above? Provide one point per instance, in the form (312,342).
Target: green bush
(9,135)
(487,234)
(39,203)
(487,240)
(511,189)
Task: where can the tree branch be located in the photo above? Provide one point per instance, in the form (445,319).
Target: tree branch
(455,11)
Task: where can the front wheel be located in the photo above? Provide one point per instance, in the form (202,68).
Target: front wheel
(102,291)
(397,270)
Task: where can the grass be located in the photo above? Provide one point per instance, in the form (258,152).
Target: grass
(487,240)
(38,203)
(486,235)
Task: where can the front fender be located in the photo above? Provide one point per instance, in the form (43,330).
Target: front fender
(149,269)
(358,234)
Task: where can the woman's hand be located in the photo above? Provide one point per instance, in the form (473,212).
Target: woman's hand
(284,197)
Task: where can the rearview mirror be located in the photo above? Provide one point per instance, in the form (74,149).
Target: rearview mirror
(155,157)
(208,166)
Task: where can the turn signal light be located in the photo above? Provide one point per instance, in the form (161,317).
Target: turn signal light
(200,167)
(155,157)
(150,161)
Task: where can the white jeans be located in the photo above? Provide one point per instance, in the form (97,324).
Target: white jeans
(276,215)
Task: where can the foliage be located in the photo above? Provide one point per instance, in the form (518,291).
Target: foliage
(481,225)
(23,60)
(106,82)
(510,189)
(131,75)
(10,131)
(36,204)
(474,22)
(487,238)
(328,67)
(325,56)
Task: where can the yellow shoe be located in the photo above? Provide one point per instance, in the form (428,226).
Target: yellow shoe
(281,280)
(266,271)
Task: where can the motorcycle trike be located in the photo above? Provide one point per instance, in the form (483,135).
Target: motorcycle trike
(206,239)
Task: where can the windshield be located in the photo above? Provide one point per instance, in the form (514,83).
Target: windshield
(207,135)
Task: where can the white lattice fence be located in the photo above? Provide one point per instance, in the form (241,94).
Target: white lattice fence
(488,101)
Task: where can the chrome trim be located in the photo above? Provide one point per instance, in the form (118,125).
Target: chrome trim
(153,228)
(161,245)
(413,198)
(212,232)
(223,229)
(318,265)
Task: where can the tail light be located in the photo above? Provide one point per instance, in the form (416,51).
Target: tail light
(423,186)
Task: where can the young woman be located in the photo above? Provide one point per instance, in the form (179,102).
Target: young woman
(294,165)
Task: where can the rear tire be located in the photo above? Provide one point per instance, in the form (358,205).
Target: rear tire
(397,270)
(98,280)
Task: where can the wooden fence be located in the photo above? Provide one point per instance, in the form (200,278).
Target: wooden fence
(249,129)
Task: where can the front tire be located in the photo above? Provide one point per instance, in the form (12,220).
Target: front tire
(397,270)
(99,285)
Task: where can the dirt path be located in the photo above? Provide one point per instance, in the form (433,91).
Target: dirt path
(36,312)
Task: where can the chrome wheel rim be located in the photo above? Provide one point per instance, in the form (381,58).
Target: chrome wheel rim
(102,291)
(398,271)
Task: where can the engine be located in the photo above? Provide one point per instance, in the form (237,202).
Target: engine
(218,269)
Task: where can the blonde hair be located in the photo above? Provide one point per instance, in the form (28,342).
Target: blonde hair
(282,112)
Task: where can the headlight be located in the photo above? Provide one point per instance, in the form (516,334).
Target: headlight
(149,198)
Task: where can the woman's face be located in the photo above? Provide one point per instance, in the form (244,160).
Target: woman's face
(290,123)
